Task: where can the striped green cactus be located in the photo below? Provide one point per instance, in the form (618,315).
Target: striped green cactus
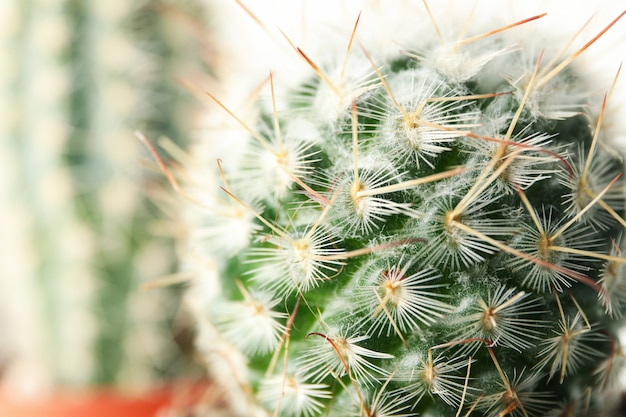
(79,220)
(435,231)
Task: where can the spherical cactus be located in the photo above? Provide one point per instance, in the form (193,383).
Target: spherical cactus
(430,231)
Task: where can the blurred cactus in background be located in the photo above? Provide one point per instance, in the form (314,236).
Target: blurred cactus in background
(80,216)
(430,227)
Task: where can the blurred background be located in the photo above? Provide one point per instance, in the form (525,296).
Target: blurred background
(86,219)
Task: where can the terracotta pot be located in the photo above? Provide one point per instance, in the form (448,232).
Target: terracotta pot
(94,403)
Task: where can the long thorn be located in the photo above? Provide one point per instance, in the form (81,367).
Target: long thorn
(355,147)
(505,248)
(578,215)
(434,23)
(531,211)
(614,83)
(170,178)
(277,132)
(345,58)
(285,336)
(564,49)
(498,30)
(467,23)
(610,210)
(370,249)
(252,15)
(574,251)
(594,140)
(319,72)
(383,305)
(410,183)
(252,133)
(262,219)
(529,88)
(465,385)
(546,78)
(385,85)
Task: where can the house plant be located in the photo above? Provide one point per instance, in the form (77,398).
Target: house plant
(432,228)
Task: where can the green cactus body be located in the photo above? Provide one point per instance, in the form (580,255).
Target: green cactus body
(419,234)
(124,70)
(78,227)
(37,202)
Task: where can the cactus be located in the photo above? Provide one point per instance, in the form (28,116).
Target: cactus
(78,223)
(430,232)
